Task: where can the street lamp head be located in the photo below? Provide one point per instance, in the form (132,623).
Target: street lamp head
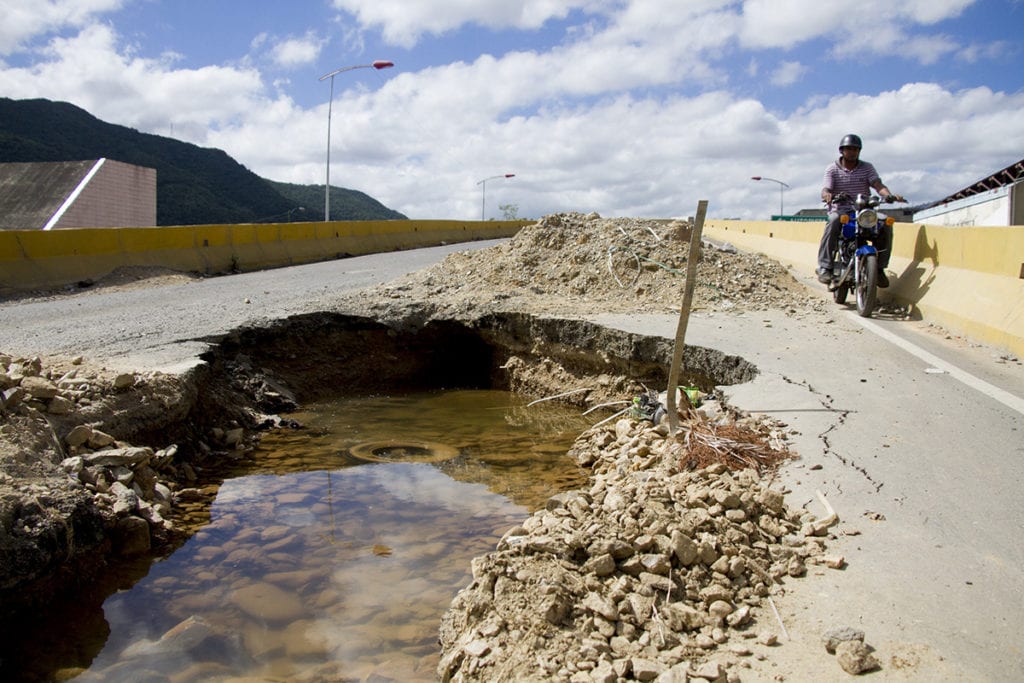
(382,64)
(755,177)
(510,175)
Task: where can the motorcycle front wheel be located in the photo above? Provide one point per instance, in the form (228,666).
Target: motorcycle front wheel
(867,285)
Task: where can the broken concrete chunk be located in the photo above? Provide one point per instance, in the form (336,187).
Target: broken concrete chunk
(834,636)
(855,657)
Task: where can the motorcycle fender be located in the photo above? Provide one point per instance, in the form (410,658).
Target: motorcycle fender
(866,249)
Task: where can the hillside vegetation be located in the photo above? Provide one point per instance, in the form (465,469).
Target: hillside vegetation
(195,185)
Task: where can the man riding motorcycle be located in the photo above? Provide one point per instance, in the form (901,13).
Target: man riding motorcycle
(848,177)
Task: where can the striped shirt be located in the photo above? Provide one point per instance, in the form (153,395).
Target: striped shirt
(851,181)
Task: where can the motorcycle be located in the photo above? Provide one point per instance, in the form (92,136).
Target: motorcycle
(855,261)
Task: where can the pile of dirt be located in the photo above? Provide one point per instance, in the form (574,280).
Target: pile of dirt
(662,569)
(585,263)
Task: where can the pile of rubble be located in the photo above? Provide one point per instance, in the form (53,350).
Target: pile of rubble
(661,570)
(613,264)
(69,489)
(126,485)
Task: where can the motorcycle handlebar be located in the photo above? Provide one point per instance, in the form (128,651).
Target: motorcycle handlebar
(845,197)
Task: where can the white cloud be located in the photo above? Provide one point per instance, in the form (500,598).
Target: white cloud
(23,20)
(996,50)
(786,23)
(403,22)
(93,71)
(788,73)
(889,41)
(294,52)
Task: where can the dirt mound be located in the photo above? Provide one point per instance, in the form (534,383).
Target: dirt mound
(588,263)
(661,569)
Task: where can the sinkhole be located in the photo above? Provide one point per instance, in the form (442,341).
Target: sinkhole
(333,547)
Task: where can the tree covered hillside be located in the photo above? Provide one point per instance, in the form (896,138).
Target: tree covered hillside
(195,185)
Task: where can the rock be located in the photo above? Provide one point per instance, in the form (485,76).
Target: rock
(680,617)
(119,457)
(78,436)
(656,564)
(709,671)
(833,561)
(12,397)
(604,672)
(233,437)
(60,406)
(855,657)
(39,388)
(131,536)
(738,618)
(477,648)
(602,565)
(677,674)
(98,439)
(684,548)
(266,601)
(834,636)
(73,465)
(181,638)
(646,669)
(602,606)
(719,610)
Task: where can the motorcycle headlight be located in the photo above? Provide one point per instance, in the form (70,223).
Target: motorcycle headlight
(867,219)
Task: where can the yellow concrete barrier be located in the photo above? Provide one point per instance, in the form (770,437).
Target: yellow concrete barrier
(33,259)
(968,280)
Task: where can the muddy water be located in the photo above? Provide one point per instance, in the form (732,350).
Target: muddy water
(318,563)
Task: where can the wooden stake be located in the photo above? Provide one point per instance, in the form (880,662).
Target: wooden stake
(684,316)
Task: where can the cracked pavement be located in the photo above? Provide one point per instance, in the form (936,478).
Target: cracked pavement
(924,472)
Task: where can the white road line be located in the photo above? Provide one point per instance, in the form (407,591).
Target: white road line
(1006,398)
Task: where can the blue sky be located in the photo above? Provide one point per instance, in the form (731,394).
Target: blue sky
(624,107)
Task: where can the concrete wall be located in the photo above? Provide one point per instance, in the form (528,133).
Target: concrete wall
(969,280)
(118,194)
(33,259)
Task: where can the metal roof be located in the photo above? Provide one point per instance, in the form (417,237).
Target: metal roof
(1010,175)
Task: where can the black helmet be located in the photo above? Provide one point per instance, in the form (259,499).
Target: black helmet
(851,140)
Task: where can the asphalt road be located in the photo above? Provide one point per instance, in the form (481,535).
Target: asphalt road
(167,327)
(916,440)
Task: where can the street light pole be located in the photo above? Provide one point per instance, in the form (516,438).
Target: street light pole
(782,187)
(483,190)
(378,64)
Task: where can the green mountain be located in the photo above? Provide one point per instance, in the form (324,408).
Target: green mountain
(348,205)
(195,185)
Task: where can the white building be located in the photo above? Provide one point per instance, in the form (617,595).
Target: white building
(997,200)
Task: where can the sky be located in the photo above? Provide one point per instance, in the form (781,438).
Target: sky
(620,107)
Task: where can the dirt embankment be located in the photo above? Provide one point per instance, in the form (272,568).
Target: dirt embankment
(669,557)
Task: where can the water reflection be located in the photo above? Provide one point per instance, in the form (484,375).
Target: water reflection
(322,568)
